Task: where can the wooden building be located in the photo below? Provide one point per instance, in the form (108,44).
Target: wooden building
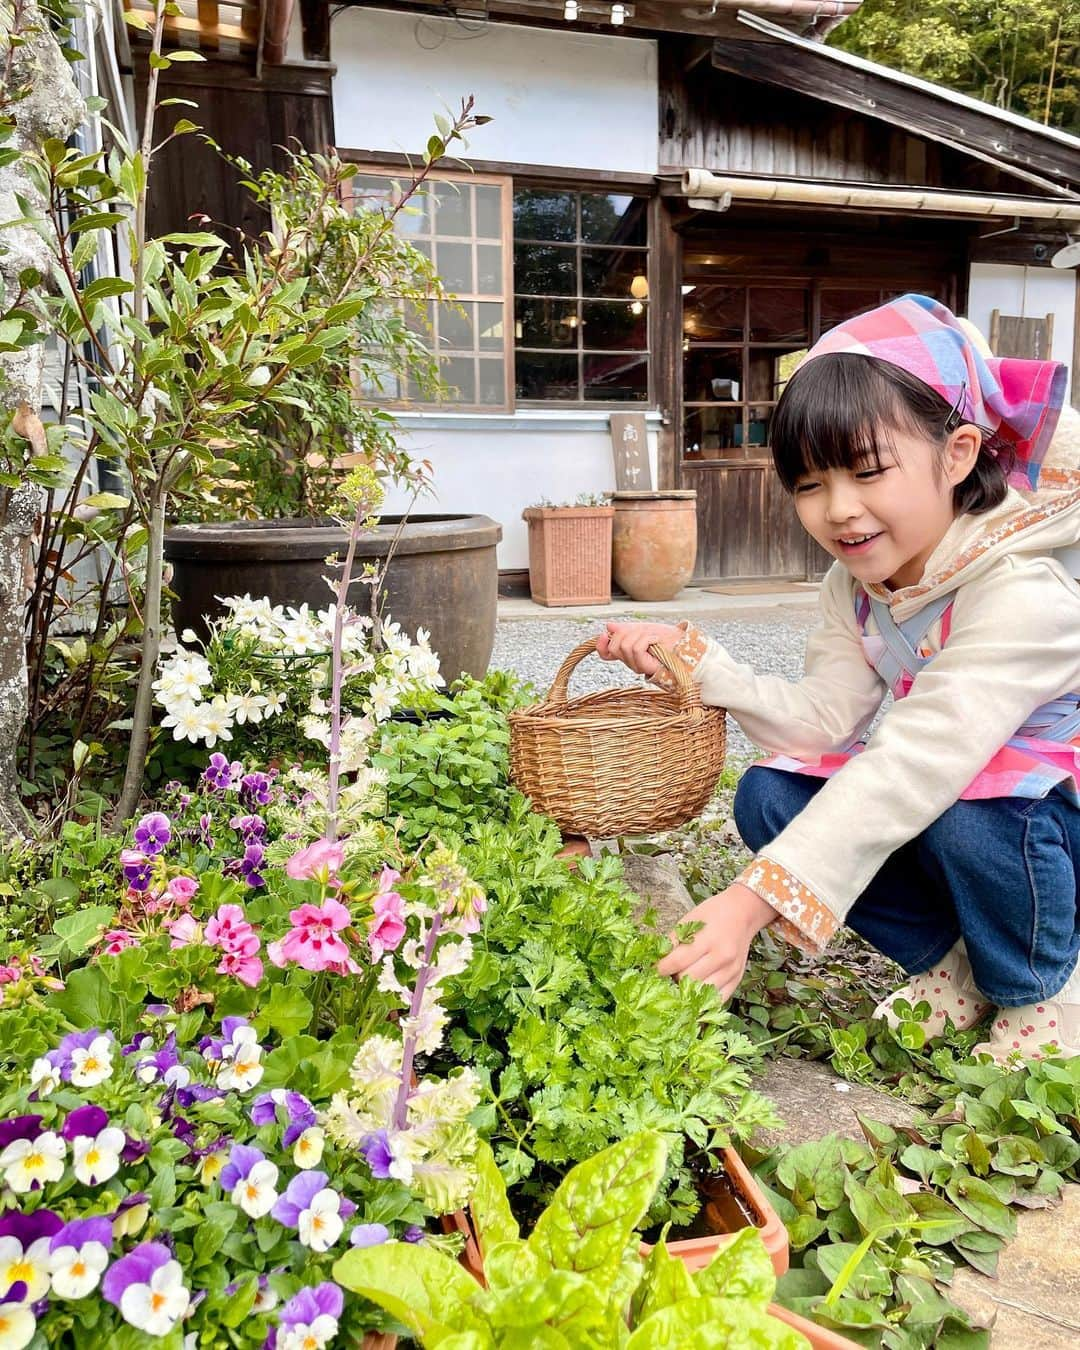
(672,201)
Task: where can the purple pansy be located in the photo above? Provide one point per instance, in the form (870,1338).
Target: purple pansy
(300,1113)
(186,1097)
(19,1127)
(255,788)
(61,1059)
(251,828)
(369,1235)
(205,823)
(138,869)
(376,1149)
(27,1228)
(134,1149)
(254,854)
(413,1234)
(152,833)
(242,1159)
(220,774)
(298,1196)
(85,1120)
(135,1268)
(321,1300)
(77,1232)
(164,1064)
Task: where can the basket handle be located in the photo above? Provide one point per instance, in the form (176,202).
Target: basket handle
(686,689)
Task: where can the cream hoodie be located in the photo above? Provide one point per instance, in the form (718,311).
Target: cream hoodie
(1014,644)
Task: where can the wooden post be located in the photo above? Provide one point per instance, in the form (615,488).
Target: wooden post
(665,323)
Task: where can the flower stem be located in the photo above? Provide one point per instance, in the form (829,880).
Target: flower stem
(333,792)
(423,978)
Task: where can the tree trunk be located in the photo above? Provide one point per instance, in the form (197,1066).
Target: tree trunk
(51,106)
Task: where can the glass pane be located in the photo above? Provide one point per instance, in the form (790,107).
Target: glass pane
(836,306)
(757,433)
(545,323)
(460,376)
(420,318)
(712,433)
(617,379)
(542,214)
(610,271)
(423,246)
(492,380)
(714,313)
(769,371)
(542,269)
(712,373)
(489,269)
(613,219)
(453,208)
(488,211)
(489,328)
(612,324)
(779,315)
(453,262)
(415,216)
(541,375)
(375,382)
(371,192)
(456,328)
(786,366)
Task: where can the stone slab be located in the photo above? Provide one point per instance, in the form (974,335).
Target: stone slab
(658,881)
(813,1102)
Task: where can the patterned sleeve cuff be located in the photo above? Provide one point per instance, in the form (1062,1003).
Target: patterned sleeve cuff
(802,918)
(690,648)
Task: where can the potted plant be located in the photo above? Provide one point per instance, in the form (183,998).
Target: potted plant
(576,1279)
(263,524)
(570,551)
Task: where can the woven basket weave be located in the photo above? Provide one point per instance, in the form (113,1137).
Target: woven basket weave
(623,761)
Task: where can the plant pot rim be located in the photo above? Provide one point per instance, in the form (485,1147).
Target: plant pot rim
(303,540)
(543,512)
(657,495)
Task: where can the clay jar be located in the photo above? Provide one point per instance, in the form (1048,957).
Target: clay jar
(654,542)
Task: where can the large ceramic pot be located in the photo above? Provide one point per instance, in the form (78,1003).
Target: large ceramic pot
(654,542)
(443,575)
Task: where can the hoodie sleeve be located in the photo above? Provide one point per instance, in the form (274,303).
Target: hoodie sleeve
(825,711)
(1014,645)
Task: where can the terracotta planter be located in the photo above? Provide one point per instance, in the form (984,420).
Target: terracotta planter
(654,542)
(821,1338)
(443,575)
(575,846)
(735,1196)
(569,554)
(470,1257)
(379,1340)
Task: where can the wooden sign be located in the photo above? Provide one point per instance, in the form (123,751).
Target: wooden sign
(630,451)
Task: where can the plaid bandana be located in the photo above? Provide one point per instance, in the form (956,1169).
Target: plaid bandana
(1017,400)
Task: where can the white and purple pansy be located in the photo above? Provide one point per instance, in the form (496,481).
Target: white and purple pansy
(18,1324)
(315,1210)
(148,1287)
(29,1156)
(237,1053)
(249,1179)
(78,1256)
(24,1255)
(309,1320)
(163,1064)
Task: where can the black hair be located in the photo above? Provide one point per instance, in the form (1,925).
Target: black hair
(835,412)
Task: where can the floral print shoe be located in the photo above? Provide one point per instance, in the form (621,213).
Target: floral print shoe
(949,989)
(1051,1027)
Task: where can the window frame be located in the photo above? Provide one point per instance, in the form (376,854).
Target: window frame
(592,187)
(506,222)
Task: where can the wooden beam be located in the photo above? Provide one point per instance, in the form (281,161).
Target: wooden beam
(811,72)
(208,21)
(665,313)
(539,173)
(315,24)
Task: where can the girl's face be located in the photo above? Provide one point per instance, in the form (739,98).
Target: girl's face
(884,519)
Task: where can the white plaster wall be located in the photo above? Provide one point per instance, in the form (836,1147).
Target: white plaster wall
(1031,293)
(557,97)
(497,466)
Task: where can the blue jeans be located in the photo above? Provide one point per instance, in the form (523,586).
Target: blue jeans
(1000,873)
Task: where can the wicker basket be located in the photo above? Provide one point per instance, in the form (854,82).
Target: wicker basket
(623,761)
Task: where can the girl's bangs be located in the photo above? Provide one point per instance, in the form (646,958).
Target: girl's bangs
(834,414)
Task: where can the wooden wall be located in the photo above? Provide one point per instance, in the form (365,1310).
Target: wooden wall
(715,120)
(247,117)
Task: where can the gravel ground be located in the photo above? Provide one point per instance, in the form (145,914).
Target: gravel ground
(772,640)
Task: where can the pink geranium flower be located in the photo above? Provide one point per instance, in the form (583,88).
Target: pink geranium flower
(312,942)
(182,889)
(184,931)
(247,968)
(319,860)
(228,927)
(387,926)
(117,940)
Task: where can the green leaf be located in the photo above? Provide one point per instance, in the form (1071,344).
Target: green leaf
(286,1012)
(741,1268)
(980,1202)
(508,1264)
(488,1204)
(953,1223)
(87,1000)
(106,501)
(97,220)
(185,54)
(105,287)
(599,1204)
(426,1290)
(134,19)
(81,929)
(666,1281)
(714,1324)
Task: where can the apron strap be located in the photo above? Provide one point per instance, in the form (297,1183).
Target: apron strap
(901,640)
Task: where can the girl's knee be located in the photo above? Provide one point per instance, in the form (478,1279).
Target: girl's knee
(760,808)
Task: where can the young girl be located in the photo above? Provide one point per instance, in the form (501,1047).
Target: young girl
(943,480)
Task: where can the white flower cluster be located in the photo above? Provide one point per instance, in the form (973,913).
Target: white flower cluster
(199,709)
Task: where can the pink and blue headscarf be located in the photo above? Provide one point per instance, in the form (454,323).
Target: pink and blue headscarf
(1019,401)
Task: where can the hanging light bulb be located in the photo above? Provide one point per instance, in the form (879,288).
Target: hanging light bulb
(618,15)
(639,286)
(570,10)
(637,307)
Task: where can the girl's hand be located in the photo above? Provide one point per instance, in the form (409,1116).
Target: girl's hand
(630,643)
(718,952)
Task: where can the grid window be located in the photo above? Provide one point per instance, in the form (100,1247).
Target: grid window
(581,326)
(461,224)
